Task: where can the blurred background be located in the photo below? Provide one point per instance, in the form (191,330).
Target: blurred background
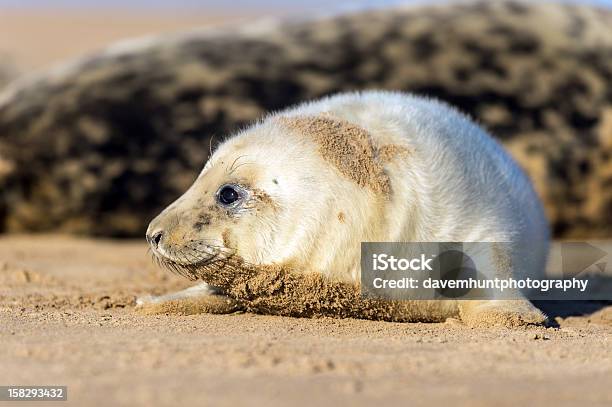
(37,33)
(96,140)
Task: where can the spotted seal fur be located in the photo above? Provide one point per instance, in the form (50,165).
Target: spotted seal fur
(100,145)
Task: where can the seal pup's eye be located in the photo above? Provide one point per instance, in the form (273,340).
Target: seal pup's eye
(228,195)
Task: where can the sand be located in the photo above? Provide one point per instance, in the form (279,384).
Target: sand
(67,317)
(347,147)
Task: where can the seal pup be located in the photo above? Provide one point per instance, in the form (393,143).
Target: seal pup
(275,219)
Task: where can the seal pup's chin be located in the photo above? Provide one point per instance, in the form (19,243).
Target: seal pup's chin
(187,262)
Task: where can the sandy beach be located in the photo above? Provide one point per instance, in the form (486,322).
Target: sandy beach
(67,317)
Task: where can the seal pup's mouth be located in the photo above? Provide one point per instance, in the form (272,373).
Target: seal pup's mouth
(190,260)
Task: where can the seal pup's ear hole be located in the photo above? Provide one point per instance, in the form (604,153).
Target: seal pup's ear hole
(275,181)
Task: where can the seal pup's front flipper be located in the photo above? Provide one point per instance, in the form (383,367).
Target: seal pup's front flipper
(199,299)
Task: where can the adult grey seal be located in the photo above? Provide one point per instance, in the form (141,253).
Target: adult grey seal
(100,145)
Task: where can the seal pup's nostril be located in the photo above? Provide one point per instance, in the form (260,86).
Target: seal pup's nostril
(155,239)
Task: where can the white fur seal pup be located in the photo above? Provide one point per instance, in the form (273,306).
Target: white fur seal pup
(275,219)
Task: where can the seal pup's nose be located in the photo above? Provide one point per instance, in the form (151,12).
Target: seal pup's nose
(155,238)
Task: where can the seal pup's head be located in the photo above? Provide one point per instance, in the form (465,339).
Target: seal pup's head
(292,191)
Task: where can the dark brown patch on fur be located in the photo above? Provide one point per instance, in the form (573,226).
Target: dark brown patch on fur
(341,217)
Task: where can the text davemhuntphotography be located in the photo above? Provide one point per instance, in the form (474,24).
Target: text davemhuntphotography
(479,270)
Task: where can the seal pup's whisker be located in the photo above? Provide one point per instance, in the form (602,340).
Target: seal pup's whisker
(210,142)
(234,162)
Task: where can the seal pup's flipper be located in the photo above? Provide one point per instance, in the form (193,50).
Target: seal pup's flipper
(199,299)
(507,313)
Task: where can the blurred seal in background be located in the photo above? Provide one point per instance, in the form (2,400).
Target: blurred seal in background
(100,145)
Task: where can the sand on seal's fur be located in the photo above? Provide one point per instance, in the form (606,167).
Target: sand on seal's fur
(278,290)
(346,146)
(389,152)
